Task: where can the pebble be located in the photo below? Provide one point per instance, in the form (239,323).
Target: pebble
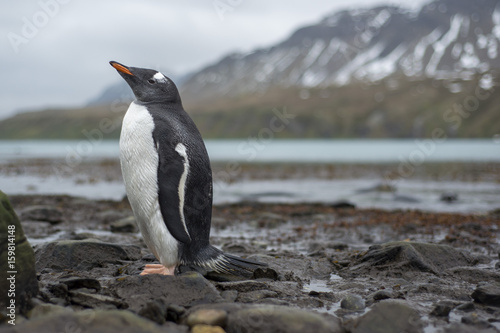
(42,213)
(229,295)
(207,329)
(124,225)
(155,311)
(381,294)
(442,309)
(466,307)
(253,296)
(95,301)
(474,320)
(212,317)
(353,303)
(487,293)
(397,317)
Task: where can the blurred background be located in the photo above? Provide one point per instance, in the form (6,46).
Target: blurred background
(388,104)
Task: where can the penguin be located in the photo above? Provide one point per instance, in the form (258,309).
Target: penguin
(168,178)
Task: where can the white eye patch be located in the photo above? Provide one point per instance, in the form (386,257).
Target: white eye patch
(159,77)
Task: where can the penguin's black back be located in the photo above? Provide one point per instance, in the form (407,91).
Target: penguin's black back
(173,126)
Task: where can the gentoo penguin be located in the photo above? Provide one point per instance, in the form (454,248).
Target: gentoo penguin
(168,179)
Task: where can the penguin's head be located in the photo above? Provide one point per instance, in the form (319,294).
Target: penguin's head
(148,85)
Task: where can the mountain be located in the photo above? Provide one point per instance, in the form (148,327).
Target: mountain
(446,39)
(373,73)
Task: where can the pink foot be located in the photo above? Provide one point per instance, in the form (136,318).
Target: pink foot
(158,269)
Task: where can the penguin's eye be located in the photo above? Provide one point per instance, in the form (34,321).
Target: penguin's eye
(152,81)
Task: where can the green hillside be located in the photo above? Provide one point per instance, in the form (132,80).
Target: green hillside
(392,109)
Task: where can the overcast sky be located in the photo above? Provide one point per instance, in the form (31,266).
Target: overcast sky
(56,52)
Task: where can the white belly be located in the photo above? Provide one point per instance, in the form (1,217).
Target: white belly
(139,163)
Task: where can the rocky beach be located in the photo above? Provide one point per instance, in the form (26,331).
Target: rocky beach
(332,267)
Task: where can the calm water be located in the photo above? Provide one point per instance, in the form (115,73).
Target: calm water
(476,197)
(252,150)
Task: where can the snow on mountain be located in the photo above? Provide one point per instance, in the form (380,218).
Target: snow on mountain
(445,39)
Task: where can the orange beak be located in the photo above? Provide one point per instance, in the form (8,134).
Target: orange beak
(121,68)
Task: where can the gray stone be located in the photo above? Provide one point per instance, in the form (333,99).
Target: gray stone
(17,256)
(402,258)
(473,274)
(253,296)
(124,225)
(101,321)
(42,213)
(186,290)
(353,303)
(264,318)
(155,311)
(461,328)
(229,295)
(381,294)
(78,282)
(487,293)
(213,317)
(474,320)
(442,309)
(274,318)
(83,254)
(466,307)
(388,316)
(96,301)
(43,310)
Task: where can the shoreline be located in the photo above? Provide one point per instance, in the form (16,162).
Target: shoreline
(435,187)
(321,257)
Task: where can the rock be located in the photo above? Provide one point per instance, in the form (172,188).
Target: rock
(460,328)
(155,311)
(466,307)
(229,295)
(243,286)
(473,274)
(18,282)
(253,296)
(342,205)
(449,197)
(442,309)
(77,283)
(43,310)
(275,318)
(174,312)
(353,303)
(264,318)
(124,225)
(102,321)
(265,273)
(474,320)
(207,329)
(210,317)
(186,290)
(388,316)
(487,293)
(402,258)
(83,254)
(96,301)
(381,294)
(42,213)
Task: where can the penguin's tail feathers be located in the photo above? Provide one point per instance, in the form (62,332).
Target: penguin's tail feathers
(221,262)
